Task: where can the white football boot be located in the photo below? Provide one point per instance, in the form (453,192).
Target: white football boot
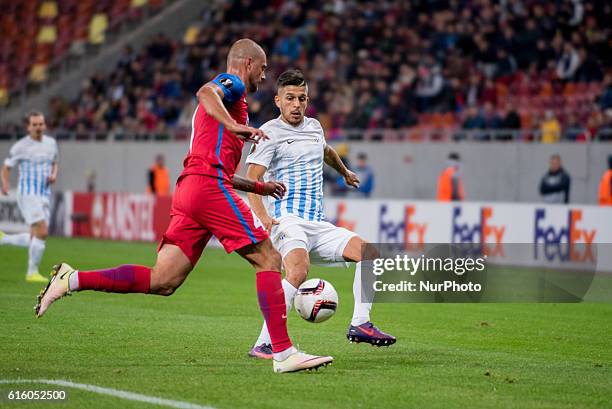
(56,289)
(301,361)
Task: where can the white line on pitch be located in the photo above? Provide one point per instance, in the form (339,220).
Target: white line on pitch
(111,392)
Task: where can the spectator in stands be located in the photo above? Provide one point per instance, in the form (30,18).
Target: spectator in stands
(510,120)
(605,186)
(605,99)
(365,175)
(159,179)
(505,64)
(550,128)
(450,183)
(490,118)
(590,69)
(435,56)
(604,131)
(555,184)
(568,62)
(473,120)
(574,130)
(429,84)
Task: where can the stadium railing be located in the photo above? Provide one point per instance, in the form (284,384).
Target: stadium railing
(417,134)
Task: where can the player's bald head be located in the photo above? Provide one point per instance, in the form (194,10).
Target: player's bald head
(245,48)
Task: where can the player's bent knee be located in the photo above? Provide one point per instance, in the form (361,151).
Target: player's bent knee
(163,287)
(358,249)
(165,281)
(296,276)
(165,291)
(40,231)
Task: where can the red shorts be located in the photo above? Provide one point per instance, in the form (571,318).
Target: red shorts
(204,206)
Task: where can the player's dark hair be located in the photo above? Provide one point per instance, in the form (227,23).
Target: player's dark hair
(29,115)
(291,77)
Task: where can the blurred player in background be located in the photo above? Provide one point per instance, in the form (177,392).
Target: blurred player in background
(205,204)
(294,154)
(35,155)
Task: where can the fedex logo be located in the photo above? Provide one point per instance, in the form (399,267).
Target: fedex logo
(560,243)
(489,235)
(407,230)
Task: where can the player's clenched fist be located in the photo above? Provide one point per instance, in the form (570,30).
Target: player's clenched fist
(275,189)
(351,179)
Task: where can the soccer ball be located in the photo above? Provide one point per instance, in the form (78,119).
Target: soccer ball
(316,300)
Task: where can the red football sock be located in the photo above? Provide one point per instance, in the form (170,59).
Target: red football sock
(272,304)
(128,278)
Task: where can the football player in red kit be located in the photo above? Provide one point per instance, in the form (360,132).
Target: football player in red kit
(205,204)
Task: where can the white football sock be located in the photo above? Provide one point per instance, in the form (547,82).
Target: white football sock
(281,356)
(361,310)
(21,239)
(37,249)
(73,281)
(290,291)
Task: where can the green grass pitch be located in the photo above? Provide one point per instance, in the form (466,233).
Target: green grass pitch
(192,346)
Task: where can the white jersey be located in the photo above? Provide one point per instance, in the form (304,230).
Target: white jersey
(35,161)
(293,155)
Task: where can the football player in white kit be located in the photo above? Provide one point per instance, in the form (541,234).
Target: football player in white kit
(294,155)
(35,155)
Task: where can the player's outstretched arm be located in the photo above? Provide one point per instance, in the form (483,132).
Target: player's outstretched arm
(332,158)
(256,172)
(5,176)
(211,98)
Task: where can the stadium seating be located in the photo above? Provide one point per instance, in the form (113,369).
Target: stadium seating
(394,51)
(39,33)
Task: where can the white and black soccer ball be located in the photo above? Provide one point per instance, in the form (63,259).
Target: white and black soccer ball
(316,300)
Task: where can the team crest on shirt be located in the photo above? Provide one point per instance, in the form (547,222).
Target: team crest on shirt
(226,82)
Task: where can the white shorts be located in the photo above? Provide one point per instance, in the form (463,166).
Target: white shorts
(324,242)
(34,209)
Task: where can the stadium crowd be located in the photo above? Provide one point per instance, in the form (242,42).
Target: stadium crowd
(453,64)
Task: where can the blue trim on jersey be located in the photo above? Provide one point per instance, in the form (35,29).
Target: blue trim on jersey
(278,202)
(21,182)
(35,184)
(232,203)
(226,193)
(313,199)
(291,188)
(320,215)
(219,141)
(303,186)
(29,180)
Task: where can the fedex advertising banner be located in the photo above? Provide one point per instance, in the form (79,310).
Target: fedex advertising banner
(549,235)
(557,235)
